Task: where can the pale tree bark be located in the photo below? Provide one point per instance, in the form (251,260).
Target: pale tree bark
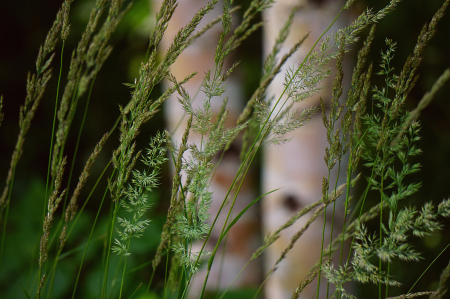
(243,238)
(297,165)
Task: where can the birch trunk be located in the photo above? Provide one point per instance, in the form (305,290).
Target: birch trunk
(298,165)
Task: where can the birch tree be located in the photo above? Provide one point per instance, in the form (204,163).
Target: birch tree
(301,177)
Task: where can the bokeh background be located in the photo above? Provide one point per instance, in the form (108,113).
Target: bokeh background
(23,27)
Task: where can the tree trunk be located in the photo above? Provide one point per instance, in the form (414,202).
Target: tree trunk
(297,166)
(243,238)
(301,177)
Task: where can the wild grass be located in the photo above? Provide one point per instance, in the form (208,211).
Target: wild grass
(369,125)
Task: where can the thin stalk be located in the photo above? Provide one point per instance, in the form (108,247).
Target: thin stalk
(423,273)
(124,270)
(50,152)
(332,220)
(237,276)
(321,248)
(78,140)
(111,230)
(166,270)
(347,197)
(222,261)
(71,169)
(6,219)
(381,240)
(89,240)
(228,216)
(54,122)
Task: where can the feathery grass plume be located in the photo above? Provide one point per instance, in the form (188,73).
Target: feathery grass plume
(307,281)
(239,35)
(334,151)
(426,222)
(270,69)
(36,85)
(403,83)
(337,142)
(135,200)
(181,39)
(199,166)
(356,147)
(338,277)
(163,16)
(175,201)
(74,77)
(268,76)
(424,102)
(244,29)
(394,243)
(176,205)
(53,204)
(191,224)
(190,200)
(356,96)
(351,228)
(382,130)
(72,207)
(141,108)
(86,62)
(442,288)
(304,80)
(208,26)
(213,85)
(407,78)
(270,61)
(363,270)
(65,26)
(356,106)
(295,238)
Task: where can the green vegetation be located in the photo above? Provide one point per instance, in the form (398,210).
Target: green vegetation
(73,245)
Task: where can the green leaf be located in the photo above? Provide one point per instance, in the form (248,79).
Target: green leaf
(243,212)
(26,294)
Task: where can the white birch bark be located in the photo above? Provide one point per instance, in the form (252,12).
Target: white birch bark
(298,165)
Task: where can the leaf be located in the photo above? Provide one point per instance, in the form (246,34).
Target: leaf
(26,294)
(243,211)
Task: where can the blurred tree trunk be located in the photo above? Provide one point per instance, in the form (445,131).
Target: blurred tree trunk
(300,177)
(243,237)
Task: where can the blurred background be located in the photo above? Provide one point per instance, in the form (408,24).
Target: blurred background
(23,27)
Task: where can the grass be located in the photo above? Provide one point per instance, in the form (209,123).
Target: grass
(105,243)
